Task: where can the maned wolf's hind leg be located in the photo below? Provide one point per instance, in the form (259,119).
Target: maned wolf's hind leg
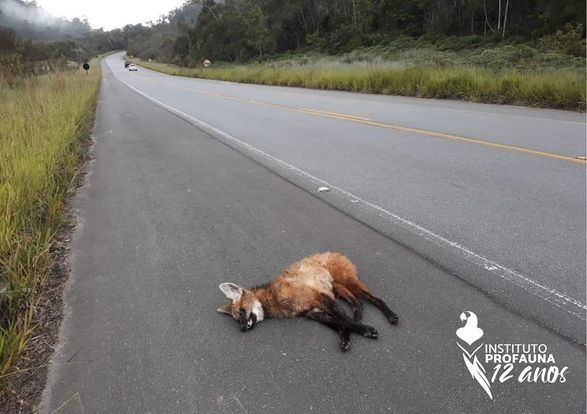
(360,289)
(324,318)
(346,294)
(339,314)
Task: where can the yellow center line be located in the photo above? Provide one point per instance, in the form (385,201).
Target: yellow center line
(335,114)
(367,121)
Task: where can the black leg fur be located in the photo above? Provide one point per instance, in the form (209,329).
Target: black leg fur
(359,328)
(389,314)
(333,323)
(356,306)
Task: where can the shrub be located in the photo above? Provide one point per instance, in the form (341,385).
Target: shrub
(570,40)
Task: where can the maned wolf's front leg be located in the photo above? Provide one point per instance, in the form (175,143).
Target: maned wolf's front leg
(324,318)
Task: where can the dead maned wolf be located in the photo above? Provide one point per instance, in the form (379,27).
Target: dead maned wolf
(308,288)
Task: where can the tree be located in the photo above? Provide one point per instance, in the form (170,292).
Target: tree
(7,39)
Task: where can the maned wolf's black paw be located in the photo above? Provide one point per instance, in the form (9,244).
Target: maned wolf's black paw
(392,318)
(370,332)
(345,345)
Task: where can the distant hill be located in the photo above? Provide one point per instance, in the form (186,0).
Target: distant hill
(168,38)
(30,21)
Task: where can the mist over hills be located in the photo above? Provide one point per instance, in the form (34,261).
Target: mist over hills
(28,20)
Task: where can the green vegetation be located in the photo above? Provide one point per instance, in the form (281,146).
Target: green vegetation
(528,53)
(47,107)
(44,120)
(240,30)
(507,74)
(522,52)
(29,35)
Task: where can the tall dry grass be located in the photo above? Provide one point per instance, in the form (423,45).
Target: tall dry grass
(555,88)
(43,120)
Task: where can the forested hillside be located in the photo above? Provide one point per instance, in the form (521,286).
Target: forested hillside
(243,29)
(32,40)
(238,30)
(30,34)
(528,52)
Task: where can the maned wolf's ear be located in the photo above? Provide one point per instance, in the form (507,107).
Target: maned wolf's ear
(226,309)
(232,291)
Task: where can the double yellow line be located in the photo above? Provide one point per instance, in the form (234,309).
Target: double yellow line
(366,121)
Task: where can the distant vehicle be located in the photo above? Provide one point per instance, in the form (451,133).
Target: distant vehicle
(132,67)
(126,64)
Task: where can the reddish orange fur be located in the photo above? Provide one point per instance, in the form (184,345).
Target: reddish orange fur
(303,285)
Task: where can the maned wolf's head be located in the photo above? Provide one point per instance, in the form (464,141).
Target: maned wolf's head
(244,306)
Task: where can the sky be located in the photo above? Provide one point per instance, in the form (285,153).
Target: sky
(110,14)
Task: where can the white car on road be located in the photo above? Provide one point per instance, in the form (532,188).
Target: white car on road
(132,67)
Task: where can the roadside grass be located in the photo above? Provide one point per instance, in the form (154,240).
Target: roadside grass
(43,121)
(506,75)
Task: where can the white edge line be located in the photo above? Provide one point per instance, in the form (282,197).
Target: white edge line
(550,295)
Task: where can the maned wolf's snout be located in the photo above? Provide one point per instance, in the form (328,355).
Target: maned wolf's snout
(247,323)
(242,315)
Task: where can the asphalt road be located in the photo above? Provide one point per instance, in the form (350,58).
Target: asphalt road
(507,220)
(169,211)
